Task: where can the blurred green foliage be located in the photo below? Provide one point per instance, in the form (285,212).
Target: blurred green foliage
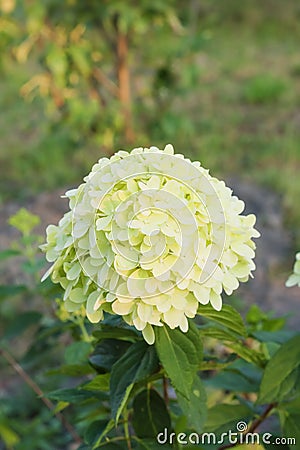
(93,73)
(263,89)
(217,79)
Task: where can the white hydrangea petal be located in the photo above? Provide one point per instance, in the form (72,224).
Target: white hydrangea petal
(74,271)
(71,306)
(184,325)
(173,317)
(139,323)
(201,293)
(148,334)
(47,273)
(216,301)
(77,296)
(169,149)
(122,308)
(163,304)
(93,303)
(230,283)
(243,250)
(144,311)
(293,280)
(103,223)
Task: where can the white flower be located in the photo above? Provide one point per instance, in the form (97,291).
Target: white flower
(294,278)
(150,236)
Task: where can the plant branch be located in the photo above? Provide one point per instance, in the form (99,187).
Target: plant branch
(123,74)
(35,387)
(261,418)
(109,85)
(114,439)
(254,425)
(85,335)
(126,428)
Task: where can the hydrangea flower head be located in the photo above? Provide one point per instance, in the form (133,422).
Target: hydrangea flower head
(294,278)
(150,236)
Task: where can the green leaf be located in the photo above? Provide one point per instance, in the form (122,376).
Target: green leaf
(24,221)
(194,407)
(135,365)
(231,381)
(94,431)
(150,415)
(72,370)
(151,444)
(81,59)
(279,337)
(4,254)
(180,354)
(8,435)
(225,417)
(248,354)
(114,446)
(107,353)
(290,426)
(71,395)
(108,332)
(60,407)
(11,290)
(21,322)
(77,352)
(227,317)
(57,61)
(217,333)
(280,374)
(99,383)
(289,414)
(110,425)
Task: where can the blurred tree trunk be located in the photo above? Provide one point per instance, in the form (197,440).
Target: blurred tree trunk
(123,74)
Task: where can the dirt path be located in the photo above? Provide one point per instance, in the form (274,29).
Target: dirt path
(275,254)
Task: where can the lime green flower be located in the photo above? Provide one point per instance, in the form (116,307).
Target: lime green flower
(294,278)
(150,236)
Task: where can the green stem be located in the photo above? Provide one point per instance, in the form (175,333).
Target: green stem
(85,335)
(254,425)
(126,428)
(115,439)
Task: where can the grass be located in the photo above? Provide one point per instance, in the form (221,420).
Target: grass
(242,117)
(247,106)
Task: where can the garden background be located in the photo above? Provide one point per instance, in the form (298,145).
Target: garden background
(80,80)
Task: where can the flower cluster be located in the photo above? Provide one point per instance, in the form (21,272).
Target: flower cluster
(294,278)
(150,236)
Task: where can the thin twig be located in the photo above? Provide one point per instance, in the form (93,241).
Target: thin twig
(25,377)
(261,418)
(254,425)
(111,87)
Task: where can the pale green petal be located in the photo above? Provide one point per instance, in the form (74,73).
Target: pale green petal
(122,308)
(148,334)
(216,301)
